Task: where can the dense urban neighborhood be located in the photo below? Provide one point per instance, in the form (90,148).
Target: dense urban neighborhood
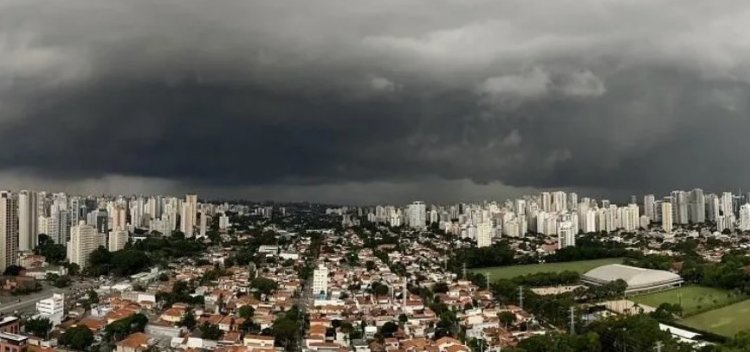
(161,273)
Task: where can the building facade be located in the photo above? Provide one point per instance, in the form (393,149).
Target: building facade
(8,229)
(84,239)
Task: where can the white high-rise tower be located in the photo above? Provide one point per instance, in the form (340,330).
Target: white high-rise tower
(27,220)
(649,206)
(417,215)
(745,217)
(484,234)
(188,215)
(666,216)
(83,241)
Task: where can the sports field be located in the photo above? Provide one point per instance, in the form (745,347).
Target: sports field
(692,298)
(726,321)
(508,272)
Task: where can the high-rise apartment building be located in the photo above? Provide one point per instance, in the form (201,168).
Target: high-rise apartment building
(101,221)
(666,216)
(8,229)
(559,201)
(565,235)
(117,240)
(484,234)
(680,207)
(697,206)
(417,215)
(188,216)
(649,206)
(573,201)
(745,217)
(546,201)
(223,221)
(119,218)
(27,220)
(59,226)
(725,205)
(84,239)
(715,204)
(203,228)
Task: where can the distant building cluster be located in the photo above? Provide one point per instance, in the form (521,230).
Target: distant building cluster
(727,210)
(83,223)
(564,215)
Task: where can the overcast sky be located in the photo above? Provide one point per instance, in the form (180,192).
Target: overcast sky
(374,101)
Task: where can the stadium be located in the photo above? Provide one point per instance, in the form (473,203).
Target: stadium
(639,280)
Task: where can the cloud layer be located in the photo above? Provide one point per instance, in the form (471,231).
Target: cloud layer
(274,97)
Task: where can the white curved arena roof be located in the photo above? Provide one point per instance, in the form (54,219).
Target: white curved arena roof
(637,278)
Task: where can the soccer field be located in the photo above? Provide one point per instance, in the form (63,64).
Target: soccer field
(726,321)
(508,272)
(692,298)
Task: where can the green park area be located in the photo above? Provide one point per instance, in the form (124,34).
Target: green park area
(508,272)
(726,321)
(692,299)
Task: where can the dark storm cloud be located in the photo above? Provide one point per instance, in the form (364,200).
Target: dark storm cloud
(619,95)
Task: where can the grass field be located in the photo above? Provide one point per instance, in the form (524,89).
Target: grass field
(725,321)
(693,299)
(507,272)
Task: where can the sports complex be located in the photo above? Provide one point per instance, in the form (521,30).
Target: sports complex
(707,309)
(639,280)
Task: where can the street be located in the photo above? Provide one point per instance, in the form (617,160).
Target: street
(11,304)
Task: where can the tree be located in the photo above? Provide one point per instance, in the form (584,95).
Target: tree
(73,268)
(477,345)
(284,331)
(13,270)
(740,343)
(121,328)
(78,337)
(667,312)
(246,312)
(100,261)
(210,331)
(402,318)
(38,327)
(623,331)
(93,296)
(264,285)
(379,289)
(188,321)
(53,253)
(506,318)
(129,261)
(352,258)
(62,281)
(440,287)
(388,329)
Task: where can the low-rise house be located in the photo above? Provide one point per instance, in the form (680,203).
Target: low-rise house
(258,341)
(136,342)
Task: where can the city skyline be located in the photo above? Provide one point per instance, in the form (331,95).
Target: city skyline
(384,176)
